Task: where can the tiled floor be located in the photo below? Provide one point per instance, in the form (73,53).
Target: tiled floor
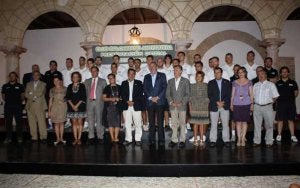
(39,181)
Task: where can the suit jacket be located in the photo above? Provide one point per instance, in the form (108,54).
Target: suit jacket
(214,94)
(180,95)
(35,97)
(99,91)
(137,95)
(159,88)
(28,78)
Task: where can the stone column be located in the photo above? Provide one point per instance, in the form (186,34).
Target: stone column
(182,45)
(88,47)
(272,47)
(12,57)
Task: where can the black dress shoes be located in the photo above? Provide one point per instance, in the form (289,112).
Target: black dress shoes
(44,141)
(90,141)
(182,145)
(172,144)
(138,143)
(126,143)
(227,144)
(101,141)
(212,144)
(161,144)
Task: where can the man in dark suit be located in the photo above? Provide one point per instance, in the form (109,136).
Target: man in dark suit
(28,77)
(219,94)
(155,85)
(132,106)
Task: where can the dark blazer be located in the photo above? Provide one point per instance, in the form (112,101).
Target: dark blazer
(214,94)
(137,95)
(159,88)
(28,78)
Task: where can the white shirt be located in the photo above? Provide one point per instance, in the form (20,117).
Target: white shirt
(251,70)
(140,75)
(228,69)
(146,70)
(119,79)
(82,72)
(103,72)
(96,81)
(130,89)
(186,70)
(35,83)
(162,70)
(264,92)
(169,71)
(67,76)
(177,81)
(86,74)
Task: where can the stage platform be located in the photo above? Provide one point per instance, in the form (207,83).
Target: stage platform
(119,160)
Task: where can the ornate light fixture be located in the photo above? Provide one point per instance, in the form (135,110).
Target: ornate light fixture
(134,32)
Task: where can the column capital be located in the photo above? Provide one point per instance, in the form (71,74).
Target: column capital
(12,49)
(272,47)
(87,46)
(272,42)
(182,44)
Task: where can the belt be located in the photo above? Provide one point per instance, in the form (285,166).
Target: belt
(263,104)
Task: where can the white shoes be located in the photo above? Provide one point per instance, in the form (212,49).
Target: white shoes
(278,138)
(146,127)
(294,139)
(198,138)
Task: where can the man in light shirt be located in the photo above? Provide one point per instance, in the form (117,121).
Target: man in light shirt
(197,58)
(139,73)
(160,65)
(103,70)
(121,68)
(250,65)
(198,67)
(82,68)
(67,72)
(168,66)
(146,68)
(228,67)
(186,68)
(214,63)
(114,70)
(87,73)
(265,93)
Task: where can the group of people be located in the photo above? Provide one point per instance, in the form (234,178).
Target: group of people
(145,96)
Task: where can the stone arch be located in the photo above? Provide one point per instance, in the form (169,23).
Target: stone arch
(260,10)
(286,8)
(219,37)
(166,9)
(28,11)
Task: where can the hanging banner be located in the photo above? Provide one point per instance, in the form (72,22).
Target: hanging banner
(135,51)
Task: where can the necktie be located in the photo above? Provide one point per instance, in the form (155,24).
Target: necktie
(92,93)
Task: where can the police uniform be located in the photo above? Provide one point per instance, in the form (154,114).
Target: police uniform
(286,106)
(271,73)
(13,107)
